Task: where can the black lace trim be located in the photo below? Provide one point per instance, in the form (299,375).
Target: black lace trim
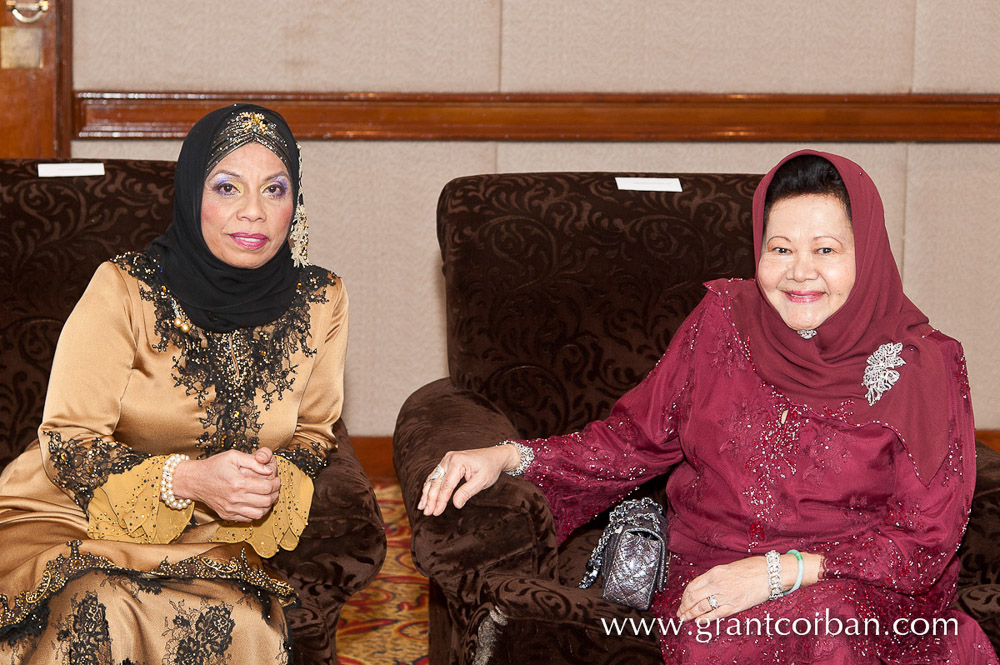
(200,636)
(21,638)
(83,466)
(64,569)
(84,636)
(226,371)
(308,462)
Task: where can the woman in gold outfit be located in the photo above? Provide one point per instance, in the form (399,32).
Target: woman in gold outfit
(191,402)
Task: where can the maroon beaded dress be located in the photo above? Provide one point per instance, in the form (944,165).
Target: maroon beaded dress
(755,472)
(787,453)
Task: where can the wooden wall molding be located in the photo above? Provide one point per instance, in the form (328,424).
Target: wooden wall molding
(375,455)
(559,117)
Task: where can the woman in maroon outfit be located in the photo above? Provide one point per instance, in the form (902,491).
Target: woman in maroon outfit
(824,442)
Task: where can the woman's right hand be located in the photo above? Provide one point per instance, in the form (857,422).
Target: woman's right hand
(239,487)
(479,468)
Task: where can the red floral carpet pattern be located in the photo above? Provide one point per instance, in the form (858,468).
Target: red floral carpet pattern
(386,624)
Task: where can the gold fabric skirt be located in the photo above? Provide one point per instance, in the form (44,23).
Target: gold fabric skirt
(67,598)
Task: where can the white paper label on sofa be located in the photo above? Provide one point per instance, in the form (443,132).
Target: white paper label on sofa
(70,169)
(650,184)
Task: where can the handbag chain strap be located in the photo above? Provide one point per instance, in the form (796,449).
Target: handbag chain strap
(635,514)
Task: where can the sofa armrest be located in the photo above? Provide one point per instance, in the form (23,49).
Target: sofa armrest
(339,553)
(979,553)
(554,623)
(507,527)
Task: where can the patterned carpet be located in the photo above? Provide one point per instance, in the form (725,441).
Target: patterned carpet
(386,624)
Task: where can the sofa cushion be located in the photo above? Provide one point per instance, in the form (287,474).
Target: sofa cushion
(613,271)
(54,232)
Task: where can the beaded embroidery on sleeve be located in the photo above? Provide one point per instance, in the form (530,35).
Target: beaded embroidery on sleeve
(83,466)
(128,507)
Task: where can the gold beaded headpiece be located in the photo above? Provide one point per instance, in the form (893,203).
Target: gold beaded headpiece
(253,127)
(243,128)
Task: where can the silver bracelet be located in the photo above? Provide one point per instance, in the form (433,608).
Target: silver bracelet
(527,456)
(774,574)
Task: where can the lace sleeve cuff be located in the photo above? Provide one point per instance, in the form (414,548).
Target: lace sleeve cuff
(309,462)
(79,467)
(284,524)
(127,507)
(876,560)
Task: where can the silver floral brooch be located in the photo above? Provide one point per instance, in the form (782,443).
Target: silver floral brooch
(880,375)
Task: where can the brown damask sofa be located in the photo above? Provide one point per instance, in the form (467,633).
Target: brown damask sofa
(53,234)
(562,292)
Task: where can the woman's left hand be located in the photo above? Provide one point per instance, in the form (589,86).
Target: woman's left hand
(736,586)
(264,456)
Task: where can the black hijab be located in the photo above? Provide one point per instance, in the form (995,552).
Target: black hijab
(215,295)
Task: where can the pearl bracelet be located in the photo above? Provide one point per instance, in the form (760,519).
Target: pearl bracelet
(526,455)
(167,483)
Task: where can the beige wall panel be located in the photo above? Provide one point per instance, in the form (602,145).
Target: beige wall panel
(884,162)
(335,45)
(126,149)
(372,207)
(372,210)
(707,46)
(952,244)
(956,47)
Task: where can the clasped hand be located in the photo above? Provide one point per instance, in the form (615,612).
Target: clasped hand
(239,487)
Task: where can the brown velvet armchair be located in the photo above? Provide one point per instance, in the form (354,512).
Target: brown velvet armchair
(53,234)
(562,292)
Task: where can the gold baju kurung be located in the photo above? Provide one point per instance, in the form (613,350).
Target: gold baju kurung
(96,568)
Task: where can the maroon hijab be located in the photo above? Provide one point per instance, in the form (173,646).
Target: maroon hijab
(827,370)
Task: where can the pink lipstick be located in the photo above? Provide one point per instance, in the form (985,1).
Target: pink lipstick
(251,241)
(803,296)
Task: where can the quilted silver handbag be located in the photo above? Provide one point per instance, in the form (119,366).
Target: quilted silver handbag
(632,554)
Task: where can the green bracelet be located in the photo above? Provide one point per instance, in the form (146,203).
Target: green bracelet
(802,570)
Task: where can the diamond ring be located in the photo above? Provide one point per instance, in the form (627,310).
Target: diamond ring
(713,602)
(437,473)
